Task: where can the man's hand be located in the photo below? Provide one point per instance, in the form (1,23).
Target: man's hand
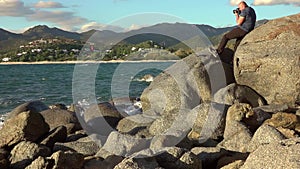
(236,17)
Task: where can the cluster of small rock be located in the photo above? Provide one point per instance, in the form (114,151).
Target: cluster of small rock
(35,136)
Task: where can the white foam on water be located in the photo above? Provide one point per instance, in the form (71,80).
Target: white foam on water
(134,109)
(145,78)
(2,119)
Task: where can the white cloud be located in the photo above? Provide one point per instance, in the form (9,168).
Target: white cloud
(235,2)
(64,19)
(15,8)
(48,4)
(269,2)
(276,2)
(99,26)
(135,27)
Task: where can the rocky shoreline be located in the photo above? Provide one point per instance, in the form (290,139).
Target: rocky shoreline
(35,136)
(199,113)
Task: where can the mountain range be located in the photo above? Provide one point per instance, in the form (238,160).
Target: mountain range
(9,40)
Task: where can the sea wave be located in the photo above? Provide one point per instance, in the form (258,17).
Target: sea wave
(2,119)
(145,78)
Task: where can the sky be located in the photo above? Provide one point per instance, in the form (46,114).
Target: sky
(124,15)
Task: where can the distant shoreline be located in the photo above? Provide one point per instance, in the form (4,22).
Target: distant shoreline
(82,62)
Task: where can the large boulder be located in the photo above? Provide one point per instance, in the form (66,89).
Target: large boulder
(26,126)
(285,120)
(59,117)
(85,146)
(100,119)
(238,93)
(133,124)
(268,60)
(209,123)
(58,134)
(59,160)
(124,145)
(41,162)
(283,154)
(171,124)
(264,135)
(32,106)
(67,160)
(236,134)
(185,84)
(25,152)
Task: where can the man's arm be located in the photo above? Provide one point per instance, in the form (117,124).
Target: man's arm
(239,19)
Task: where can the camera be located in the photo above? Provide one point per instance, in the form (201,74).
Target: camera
(237,10)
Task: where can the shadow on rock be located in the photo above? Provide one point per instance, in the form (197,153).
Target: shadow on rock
(227,56)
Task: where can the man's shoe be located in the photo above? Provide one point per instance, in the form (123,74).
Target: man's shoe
(219,51)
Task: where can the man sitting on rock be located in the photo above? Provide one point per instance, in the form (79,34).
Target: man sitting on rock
(245,18)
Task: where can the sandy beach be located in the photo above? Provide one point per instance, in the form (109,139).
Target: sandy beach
(82,62)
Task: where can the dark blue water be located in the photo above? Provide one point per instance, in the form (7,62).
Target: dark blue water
(52,83)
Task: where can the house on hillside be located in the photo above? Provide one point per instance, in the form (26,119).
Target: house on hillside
(6,59)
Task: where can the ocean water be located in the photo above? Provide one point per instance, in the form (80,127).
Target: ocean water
(54,83)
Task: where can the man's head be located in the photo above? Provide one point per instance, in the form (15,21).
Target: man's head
(242,5)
